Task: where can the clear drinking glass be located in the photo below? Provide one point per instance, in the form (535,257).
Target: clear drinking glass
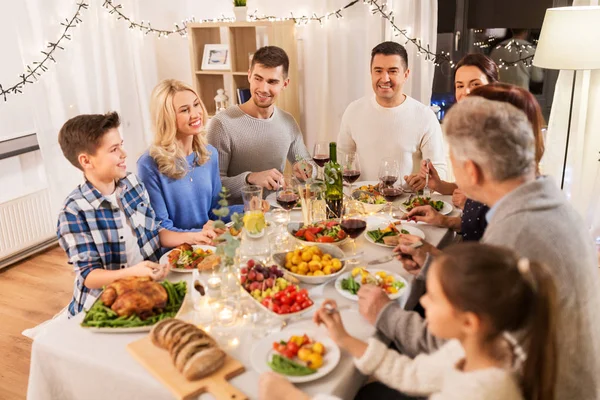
(252,196)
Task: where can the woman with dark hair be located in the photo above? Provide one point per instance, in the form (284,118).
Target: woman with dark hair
(472,71)
(472,223)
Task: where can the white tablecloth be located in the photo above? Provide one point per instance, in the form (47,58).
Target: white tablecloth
(69,362)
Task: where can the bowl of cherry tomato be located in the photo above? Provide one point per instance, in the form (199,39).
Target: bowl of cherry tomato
(288,302)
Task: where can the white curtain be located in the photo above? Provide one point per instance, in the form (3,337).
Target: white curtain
(104,67)
(582,178)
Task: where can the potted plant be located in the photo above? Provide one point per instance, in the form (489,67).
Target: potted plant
(240,10)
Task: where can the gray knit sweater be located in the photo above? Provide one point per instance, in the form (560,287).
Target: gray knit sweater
(537,222)
(247,144)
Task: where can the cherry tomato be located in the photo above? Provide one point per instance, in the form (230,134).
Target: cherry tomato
(305,339)
(289,289)
(306,304)
(296,307)
(287,353)
(300,297)
(341,235)
(293,347)
(284,309)
(309,236)
(331,224)
(275,308)
(325,239)
(300,233)
(287,300)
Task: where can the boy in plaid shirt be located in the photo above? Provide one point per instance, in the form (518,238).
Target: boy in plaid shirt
(107,226)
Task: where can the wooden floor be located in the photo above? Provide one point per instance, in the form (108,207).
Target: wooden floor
(31,292)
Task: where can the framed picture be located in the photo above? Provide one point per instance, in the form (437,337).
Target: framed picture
(216,56)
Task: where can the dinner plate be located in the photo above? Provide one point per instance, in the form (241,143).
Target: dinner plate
(272,199)
(447,209)
(348,295)
(411,228)
(165,257)
(263,352)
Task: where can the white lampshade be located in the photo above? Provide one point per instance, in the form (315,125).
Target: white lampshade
(570,39)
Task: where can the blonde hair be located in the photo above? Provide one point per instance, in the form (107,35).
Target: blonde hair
(165,150)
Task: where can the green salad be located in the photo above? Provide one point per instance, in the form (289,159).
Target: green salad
(424,201)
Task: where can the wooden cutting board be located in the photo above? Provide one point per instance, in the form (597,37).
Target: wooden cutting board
(159,363)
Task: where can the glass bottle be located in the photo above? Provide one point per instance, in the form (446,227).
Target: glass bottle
(334,187)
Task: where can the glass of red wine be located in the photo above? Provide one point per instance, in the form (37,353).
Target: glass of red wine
(354,222)
(389,172)
(320,157)
(351,168)
(287,196)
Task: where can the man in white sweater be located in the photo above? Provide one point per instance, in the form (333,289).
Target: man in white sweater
(390,123)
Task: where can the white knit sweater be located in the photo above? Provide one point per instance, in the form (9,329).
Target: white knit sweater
(435,375)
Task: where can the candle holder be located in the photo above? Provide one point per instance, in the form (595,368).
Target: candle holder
(225,312)
(213,285)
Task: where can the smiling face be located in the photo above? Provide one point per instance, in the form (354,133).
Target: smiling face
(388,75)
(467,78)
(189,114)
(108,162)
(266,84)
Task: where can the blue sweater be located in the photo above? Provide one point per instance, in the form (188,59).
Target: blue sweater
(184,204)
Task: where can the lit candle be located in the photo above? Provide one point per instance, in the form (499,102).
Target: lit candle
(225,316)
(214,282)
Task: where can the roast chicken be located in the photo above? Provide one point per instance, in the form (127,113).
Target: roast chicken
(135,295)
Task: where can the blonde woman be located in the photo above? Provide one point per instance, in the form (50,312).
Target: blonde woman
(180,170)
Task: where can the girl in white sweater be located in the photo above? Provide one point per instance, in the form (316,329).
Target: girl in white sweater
(475,294)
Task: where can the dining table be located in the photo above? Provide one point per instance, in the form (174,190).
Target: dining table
(72,362)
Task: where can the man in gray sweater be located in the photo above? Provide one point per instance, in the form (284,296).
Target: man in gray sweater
(492,153)
(254,139)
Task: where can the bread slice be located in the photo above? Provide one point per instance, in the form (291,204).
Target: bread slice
(203,363)
(187,338)
(168,337)
(161,338)
(158,330)
(191,348)
(177,335)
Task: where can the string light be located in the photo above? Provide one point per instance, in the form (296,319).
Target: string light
(511,45)
(37,68)
(146,28)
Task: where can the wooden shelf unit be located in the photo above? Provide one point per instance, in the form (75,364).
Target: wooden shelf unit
(243,39)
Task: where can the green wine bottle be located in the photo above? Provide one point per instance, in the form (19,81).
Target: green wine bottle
(334,188)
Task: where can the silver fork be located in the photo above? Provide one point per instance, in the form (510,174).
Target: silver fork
(329,311)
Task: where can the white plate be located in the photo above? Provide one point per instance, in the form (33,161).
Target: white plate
(411,228)
(272,199)
(447,209)
(165,257)
(348,295)
(263,351)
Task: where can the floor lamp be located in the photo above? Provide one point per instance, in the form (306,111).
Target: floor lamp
(569,41)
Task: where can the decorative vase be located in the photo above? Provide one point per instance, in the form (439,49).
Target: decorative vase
(241,13)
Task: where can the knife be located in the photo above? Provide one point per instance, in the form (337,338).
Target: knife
(390,257)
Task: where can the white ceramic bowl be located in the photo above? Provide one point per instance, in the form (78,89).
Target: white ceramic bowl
(335,252)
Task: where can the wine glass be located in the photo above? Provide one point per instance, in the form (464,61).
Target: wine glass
(350,168)
(320,157)
(354,222)
(389,172)
(287,196)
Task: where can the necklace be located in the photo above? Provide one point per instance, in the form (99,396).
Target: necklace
(191,170)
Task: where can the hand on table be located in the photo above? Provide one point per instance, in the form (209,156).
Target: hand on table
(302,170)
(426,214)
(331,320)
(371,300)
(272,386)
(268,179)
(459,198)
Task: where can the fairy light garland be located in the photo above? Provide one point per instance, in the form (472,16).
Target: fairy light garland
(37,68)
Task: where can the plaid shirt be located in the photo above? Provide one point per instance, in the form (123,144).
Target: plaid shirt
(91,233)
